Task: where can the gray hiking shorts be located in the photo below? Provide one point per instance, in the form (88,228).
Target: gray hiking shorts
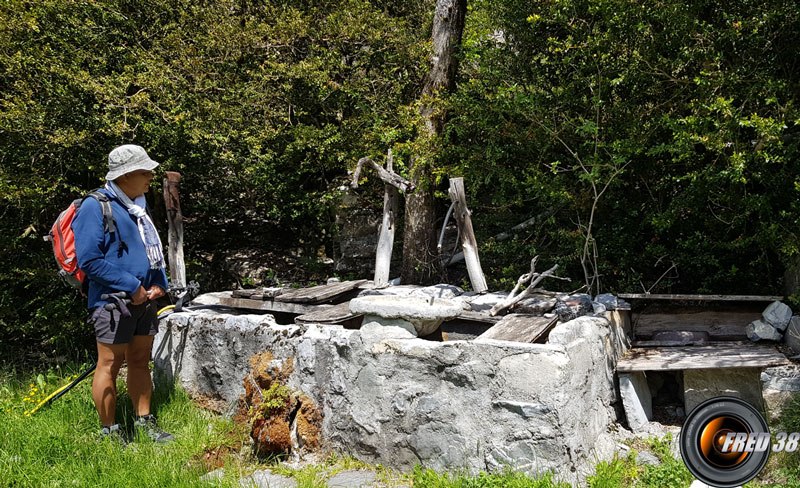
(111,328)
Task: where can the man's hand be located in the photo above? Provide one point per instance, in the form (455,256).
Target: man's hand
(139,296)
(155,292)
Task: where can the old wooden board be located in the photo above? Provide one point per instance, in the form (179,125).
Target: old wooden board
(319,294)
(700,298)
(519,327)
(257,293)
(719,325)
(482,317)
(336,315)
(270,305)
(701,357)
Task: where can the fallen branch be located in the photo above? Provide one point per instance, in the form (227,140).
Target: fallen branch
(389,177)
(534,277)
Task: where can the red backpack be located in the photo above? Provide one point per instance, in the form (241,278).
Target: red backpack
(63,239)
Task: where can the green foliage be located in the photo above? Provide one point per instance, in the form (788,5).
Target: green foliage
(659,147)
(671,473)
(616,473)
(261,106)
(694,104)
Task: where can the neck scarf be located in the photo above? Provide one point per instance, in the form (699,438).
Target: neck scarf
(147,230)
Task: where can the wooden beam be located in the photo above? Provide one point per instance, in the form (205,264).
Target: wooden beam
(700,298)
(271,305)
(701,357)
(518,327)
(468,242)
(383,254)
(177,267)
(319,294)
(719,325)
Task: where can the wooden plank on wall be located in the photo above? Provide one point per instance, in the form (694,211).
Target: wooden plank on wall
(270,305)
(319,294)
(719,325)
(700,298)
(519,327)
(331,315)
(701,357)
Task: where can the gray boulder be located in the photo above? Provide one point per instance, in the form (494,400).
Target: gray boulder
(792,335)
(570,307)
(611,302)
(762,331)
(777,315)
(535,304)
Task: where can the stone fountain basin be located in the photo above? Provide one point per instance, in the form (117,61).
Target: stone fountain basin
(421,316)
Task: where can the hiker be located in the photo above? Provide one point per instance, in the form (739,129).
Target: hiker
(129,259)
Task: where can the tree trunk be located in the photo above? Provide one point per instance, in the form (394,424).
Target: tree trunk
(419,241)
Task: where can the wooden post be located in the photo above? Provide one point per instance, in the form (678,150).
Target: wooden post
(177,268)
(383,255)
(468,243)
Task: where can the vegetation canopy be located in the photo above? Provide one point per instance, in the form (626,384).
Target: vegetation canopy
(657,142)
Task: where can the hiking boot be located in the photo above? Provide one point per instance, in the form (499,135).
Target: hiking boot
(114,434)
(147,423)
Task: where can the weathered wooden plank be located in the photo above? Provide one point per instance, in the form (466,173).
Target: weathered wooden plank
(257,293)
(383,253)
(519,327)
(330,315)
(271,305)
(319,294)
(701,357)
(719,325)
(177,268)
(468,243)
(700,298)
(481,317)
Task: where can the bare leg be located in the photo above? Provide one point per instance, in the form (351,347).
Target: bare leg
(104,384)
(140,388)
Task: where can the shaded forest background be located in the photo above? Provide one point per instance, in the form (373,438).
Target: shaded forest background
(658,141)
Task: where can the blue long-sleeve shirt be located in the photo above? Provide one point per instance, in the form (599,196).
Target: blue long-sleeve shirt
(110,267)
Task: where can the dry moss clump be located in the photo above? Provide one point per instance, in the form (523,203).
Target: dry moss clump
(274,410)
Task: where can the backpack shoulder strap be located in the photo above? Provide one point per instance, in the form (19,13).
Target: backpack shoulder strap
(109,224)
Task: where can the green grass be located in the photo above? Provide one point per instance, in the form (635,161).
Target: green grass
(59,446)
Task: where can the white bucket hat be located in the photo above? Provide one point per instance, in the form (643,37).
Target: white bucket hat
(127,158)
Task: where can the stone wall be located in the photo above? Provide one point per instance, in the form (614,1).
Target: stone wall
(390,398)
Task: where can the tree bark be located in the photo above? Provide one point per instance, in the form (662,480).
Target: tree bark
(419,239)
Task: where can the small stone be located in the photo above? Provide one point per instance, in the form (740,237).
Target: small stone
(777,315)
(333,280)
(762,331)
(792,335)
(351,479)
(599,308)
(215,475)
(648,458)
(267,479)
